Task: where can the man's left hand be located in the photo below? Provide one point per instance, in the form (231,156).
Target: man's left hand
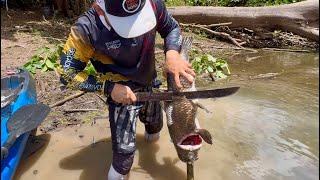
(176,65)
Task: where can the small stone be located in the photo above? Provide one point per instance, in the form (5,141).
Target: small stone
(236,155)
(35,171)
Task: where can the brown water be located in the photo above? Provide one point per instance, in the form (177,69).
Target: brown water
(268,130)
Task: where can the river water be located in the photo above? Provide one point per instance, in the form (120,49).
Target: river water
(269,129)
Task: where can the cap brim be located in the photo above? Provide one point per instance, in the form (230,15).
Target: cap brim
(135,25)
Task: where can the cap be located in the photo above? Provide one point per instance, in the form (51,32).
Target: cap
(129,18)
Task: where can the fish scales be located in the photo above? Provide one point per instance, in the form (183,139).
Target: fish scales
(181,113)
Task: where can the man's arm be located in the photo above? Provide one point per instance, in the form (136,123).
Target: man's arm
(168,27)
(76,54)
(169,30)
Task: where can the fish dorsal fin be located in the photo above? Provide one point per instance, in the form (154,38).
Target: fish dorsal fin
(186,46)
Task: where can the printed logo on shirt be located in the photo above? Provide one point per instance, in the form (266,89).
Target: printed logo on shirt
(113,44)
(90,87)
(69,58)
(131,6)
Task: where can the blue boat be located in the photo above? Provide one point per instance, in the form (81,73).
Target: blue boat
(17,90)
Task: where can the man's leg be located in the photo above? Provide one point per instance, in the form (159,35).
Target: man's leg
(151,116)
(123,121)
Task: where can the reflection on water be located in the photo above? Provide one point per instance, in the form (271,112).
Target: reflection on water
(267,130)
(274,120)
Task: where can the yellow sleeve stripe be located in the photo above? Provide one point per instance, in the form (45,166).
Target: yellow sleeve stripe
(103,59)
(81,77)
(84,50)
(112,77)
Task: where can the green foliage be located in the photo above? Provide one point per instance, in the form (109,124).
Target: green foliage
(176,2)
(215,67)
(202,2)
(229,3)
(46,59)
(90,69)
(251,3)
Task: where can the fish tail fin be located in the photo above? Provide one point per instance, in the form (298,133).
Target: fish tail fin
(186,46)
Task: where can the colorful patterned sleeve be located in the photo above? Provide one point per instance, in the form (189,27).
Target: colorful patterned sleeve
(76,54)
(168,27)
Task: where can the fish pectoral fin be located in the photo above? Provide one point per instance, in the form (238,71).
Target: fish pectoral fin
(205,134)
(201,106)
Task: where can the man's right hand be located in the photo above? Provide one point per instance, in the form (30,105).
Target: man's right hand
(123,94)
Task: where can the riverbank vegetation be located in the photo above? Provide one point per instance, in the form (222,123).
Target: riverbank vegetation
(229,3)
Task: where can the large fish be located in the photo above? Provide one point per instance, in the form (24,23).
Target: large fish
(183,126)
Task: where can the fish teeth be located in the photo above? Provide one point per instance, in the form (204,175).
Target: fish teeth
(190,147)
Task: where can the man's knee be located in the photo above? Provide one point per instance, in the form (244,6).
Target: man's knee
(151,116)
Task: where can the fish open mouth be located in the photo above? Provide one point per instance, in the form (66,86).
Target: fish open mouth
(190,142)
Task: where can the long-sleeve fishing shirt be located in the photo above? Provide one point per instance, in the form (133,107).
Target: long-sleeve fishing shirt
(116,59)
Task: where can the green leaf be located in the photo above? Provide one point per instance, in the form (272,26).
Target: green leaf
(211,58)
(38,66)
(26,64)
(53,58)
(221,75)
(35,58)
(32,70)
(210,69)
(59,50)
(49,64)
(45,68)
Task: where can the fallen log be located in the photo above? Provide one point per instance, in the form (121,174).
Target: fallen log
(300,18)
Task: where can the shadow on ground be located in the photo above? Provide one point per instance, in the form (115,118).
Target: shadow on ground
(95,161)
(30,159)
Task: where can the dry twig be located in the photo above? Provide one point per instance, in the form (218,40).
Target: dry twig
(67,99)
(215,25)
(79,110)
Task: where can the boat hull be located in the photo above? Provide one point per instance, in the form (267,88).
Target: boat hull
(25,95)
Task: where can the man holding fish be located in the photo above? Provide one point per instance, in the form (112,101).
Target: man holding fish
(118,37)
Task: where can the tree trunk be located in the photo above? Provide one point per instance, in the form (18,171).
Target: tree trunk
(300,18)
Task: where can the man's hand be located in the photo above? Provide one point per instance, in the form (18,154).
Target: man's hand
(123,94)
(176,65)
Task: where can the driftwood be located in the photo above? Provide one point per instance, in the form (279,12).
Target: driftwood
(221,34)
(300,18)
(287,50)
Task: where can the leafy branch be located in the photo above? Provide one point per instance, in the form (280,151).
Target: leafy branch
(46,59)
(215,67)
